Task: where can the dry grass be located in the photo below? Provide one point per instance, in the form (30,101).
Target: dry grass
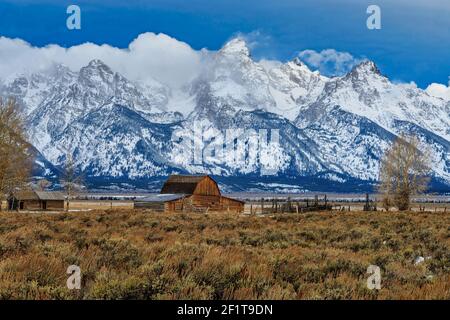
(143,255)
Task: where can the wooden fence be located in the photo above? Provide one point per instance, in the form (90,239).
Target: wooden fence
(275,205)
(83,205)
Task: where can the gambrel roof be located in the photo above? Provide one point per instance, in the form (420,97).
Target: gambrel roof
(182,184)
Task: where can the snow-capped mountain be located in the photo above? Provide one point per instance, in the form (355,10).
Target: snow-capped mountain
(365,92)
(232,79)
(358,115)
(327,130)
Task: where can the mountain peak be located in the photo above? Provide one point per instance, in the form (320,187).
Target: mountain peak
(59,67)
(367,66)
(97,63)
(236,46)
(96,68)
(297,61)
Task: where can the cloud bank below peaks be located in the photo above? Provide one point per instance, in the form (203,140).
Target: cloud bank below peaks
(150,56)
(439,90)
(162,58)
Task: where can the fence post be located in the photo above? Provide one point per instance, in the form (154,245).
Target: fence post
(289,204)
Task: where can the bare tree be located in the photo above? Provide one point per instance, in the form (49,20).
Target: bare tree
(404,172)
(71,180)
(43,184)
(15,153)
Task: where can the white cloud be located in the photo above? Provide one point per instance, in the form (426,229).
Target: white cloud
(439,90)
(255,39)
(150,55)
(329,62)
(160,57)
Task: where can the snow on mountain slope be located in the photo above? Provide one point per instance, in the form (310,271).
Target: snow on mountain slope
(92,87)
(31,90)
(233,79)
(267,144)
(332,129)
(114,141)
(350,143)
(353,145)
(437,148)
(293,85)
(357,117)
(365,92)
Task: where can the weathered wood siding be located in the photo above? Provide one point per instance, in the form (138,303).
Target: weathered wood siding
(203,203)
(156,206)
(175,205)
(31,205)
(207,187)
(55,204)
(37,205)
(206,202)
(232,205)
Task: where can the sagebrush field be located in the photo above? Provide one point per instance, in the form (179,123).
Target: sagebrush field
(144,255)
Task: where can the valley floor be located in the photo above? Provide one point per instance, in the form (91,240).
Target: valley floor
(145,255)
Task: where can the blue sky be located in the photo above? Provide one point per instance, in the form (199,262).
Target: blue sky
(413,44)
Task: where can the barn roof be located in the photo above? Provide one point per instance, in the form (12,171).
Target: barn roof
(39,195)
(26,195)
(50,195)
(161,197)
(233,199)
(181,184)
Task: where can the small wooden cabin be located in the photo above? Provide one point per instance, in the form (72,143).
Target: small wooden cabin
(191,193)
(37,201)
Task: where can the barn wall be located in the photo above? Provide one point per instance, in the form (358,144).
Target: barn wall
(232,205)
(211,202)
(207,187)
(201,202)
(55,204)
(175,205)
(157,206)
(31,205)
(169,206)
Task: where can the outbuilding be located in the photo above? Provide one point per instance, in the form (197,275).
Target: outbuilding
(37,201)
(190,193)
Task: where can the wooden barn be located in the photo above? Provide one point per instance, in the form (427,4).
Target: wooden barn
(191,193)
(36,201)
